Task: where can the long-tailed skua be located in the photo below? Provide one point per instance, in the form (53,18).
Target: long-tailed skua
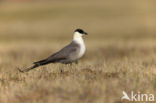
(67,55)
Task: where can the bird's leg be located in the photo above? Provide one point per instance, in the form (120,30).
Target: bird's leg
(61,71)
(30,68)
(76,62)
(70,64)
(61,68)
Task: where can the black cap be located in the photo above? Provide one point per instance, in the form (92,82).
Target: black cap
(80,31)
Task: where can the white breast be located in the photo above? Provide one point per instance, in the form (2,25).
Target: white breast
(82,50)
(82,47)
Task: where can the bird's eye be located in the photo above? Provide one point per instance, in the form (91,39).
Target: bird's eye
(81,31)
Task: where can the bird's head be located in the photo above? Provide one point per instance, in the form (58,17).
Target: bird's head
(78,33)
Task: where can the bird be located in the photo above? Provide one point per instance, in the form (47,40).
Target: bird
(67,55)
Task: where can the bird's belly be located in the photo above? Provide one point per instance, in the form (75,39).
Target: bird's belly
(82,51)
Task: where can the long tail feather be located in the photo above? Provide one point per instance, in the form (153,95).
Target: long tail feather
(36,64)
(39,61)
(30,68)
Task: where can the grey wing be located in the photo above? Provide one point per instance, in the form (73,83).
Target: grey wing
(66,54)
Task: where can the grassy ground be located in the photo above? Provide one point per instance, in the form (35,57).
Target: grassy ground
(121,50)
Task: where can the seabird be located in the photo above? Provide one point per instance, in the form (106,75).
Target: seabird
(67,55)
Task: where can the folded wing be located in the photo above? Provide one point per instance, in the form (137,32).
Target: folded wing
(64,55)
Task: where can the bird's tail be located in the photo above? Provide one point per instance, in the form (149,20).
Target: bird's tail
(42,62)
(36,64)
(30,68)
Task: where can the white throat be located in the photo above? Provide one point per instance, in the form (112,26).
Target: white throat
(78,39)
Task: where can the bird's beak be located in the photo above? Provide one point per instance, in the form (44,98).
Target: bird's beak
(85,33)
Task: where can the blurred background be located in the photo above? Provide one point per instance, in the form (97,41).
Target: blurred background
(31,30)
(55,19)
(37,22)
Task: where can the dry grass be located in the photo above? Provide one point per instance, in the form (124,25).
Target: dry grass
(121,50)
